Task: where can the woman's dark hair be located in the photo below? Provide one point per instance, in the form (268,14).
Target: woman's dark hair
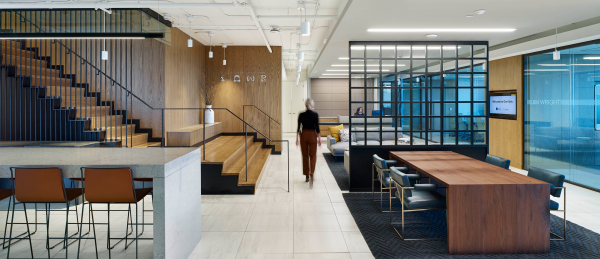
(358,111)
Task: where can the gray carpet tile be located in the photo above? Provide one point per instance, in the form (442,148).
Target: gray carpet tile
(385,243)
(338,171)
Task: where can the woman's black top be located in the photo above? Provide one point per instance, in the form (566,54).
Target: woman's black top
(309,120)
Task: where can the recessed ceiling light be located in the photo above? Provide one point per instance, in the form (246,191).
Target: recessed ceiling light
(443,30)
(591,58)
(343,58)
(480,11)
(431,35)
(469,16)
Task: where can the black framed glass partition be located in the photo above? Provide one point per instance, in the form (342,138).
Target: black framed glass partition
(419,93)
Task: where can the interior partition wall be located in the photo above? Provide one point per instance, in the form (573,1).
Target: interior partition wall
(416,96)
(562,114)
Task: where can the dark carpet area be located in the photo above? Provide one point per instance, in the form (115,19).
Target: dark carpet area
(385,243)
(338,171)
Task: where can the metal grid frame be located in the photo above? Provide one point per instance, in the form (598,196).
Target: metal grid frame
(423,111)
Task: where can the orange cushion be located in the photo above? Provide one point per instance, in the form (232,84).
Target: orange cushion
(335,133)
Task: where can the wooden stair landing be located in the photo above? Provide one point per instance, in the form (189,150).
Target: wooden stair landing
(229,152)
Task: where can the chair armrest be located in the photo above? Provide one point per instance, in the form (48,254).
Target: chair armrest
(552,187)
(391,163)
(330,140)
(414,176)
(426,187)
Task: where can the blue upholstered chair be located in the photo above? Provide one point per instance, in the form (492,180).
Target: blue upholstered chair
(497,161)
(556,182)
(381,166)
(414,197)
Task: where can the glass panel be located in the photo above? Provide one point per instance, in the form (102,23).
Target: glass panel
(418,138)
(449,66)
(373,51)
(404,138)
(479,109)
(356,107)
(418,66)
(479,51)
(434,51)
(479,80)
(479,138)
(357,138)
(435,109)
(388,109)
(449,138)
(358,65)
(418,52)
(373,109)
(464,138)
(372,95)
(387,66)
(434,94)
(403,66)
(357,124)
(404,109)
(449,51)
(403,123)
(372,80)
(357,80)
(403,95)
(403,51)
(433,66)
(464,80)
(418,109)
(449,80)
(418,95)
(464,51)
(479,66)
(433,138)
(357,51)
(358,95)
(418,81)
(434,81)
(449,109)
(403,80)
(435,123)
(418,124)
(386,95)
(373,64)
(464,65)
(449,123)
(464,123)
(479,94)
(449,94)
(464,95)
(464,109)
(387,80)
(388,51)
(479,123)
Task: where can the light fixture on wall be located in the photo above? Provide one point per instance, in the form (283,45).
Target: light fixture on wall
(224,60)
(556,53)
(210,53)
(190,41)
(104,52)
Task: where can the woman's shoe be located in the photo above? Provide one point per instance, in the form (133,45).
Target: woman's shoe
(307,178)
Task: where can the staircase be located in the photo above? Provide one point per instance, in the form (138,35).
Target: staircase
(224,167)
(58,101)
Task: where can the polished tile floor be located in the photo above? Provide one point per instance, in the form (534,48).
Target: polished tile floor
(304,223)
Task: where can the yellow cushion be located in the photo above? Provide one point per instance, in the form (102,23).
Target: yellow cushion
(335,133)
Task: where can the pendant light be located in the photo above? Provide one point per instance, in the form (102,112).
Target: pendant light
(556,53)
(299,67)
(104,52)
(305,25)
(224,60)
(210,53)
(190,41)
(301,55)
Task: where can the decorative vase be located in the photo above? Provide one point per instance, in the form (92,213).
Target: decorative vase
(209,115)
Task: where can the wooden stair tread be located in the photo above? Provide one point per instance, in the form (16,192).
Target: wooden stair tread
(255,167)
(222,148)
(16,60)
(148,144)
(239,163)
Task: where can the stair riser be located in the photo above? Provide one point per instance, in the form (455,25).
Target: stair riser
(37,71)
(106,121)
(48,80)
(17,60)
(112,132)
(64,91)
(137,140)
(92,112)
(17,52)
(68,101)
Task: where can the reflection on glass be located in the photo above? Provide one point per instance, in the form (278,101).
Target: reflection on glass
(464,65)
(479,109)
(479,138)
(418,123)
(373,80)
(479,80)
(403,66)
(449,66)
(449,109)
(418,81)
(388,51)
(403,51)
(357,51)
(433,138)
(387,80)
(434,51)
(449,51)
(433,66)
(357,65)
(418,109)
(404,95)
(387,66)
(449,80)
(357,80)
(479,65)
(464,51)
(435,123)
(435,109)
(479,123)
(449,138)
(373,51)
(434,94)
(418,66)
(464,123)
(357,95)
(464,138)
(464,109)
(479,94)
(464,80)
(418,51)
(479,51)
(418,95)
(404,109)
(449,123)
(464,95)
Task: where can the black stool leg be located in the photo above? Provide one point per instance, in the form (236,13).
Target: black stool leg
(29,233)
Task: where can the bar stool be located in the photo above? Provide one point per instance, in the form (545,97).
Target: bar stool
(110,186)
(42,185)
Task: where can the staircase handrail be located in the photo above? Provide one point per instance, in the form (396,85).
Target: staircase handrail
(251,105)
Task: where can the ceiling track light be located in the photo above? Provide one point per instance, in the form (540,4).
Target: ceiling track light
(305,26)
(224,60)
(301,56)
(300,6)
(210,53)
(299,67)
(190,41)
(556,53)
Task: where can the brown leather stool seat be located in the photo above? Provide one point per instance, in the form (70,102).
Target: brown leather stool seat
(5,193)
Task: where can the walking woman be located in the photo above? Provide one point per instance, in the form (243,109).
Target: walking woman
(309,137)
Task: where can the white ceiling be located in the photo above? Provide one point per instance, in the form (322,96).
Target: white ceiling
(288,37)
(527,16)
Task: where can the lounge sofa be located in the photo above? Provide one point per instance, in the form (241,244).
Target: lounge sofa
(336,148)
(372,138)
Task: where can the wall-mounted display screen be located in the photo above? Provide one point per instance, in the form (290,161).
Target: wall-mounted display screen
(503,105)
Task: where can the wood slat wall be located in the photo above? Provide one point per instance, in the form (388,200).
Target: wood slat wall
(506,136)
(247,61)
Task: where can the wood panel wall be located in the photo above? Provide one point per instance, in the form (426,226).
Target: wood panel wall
(506,136)
(331,96)
(184,71)
(247,62)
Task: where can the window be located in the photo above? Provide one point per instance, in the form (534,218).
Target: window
(419,94)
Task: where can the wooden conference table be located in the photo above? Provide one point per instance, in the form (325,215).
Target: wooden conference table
(490,210)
